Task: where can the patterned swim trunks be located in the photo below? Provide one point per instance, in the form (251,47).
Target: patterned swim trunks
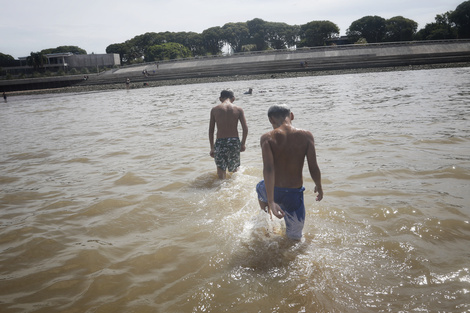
(227,153)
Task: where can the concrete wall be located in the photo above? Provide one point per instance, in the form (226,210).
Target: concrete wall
(283,61)
(385,50)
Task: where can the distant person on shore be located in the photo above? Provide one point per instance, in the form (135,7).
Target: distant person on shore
(284,150)
(5,97)
(227,147)
(128,81)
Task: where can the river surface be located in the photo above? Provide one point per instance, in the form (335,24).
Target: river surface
(109,201)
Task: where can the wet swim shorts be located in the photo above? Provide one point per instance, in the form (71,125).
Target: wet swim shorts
(227,153)
(291,201)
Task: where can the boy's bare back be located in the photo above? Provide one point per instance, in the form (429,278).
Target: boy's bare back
(226,117)
(289,147)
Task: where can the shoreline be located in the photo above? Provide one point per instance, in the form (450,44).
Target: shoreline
(202,80)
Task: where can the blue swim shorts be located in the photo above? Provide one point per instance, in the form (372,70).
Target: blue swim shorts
(291,201)
(227,153)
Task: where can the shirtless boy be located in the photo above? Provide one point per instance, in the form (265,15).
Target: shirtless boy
(284,150)
(227,148)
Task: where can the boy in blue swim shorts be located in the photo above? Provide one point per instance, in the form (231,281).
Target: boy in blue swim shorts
(284,150)
(227,147)
(291,202)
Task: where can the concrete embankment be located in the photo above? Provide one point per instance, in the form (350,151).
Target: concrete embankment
(283,61)
(39,83)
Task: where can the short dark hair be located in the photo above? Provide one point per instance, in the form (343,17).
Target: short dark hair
(279,111)
(226,94)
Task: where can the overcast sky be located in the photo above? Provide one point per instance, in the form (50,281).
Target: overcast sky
(31,25)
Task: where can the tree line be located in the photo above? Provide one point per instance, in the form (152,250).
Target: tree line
(259,35)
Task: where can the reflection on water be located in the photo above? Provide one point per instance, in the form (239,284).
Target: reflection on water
(109,201)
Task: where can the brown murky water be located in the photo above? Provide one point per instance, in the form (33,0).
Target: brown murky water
(109,201)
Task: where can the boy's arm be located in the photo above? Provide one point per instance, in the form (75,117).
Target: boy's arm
(244,129)
(268,174)
(211,133)
(313,166)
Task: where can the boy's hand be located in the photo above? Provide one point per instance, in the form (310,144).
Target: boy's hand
(320,192)
(275,209)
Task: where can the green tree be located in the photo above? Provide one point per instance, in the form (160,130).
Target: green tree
(236,35)
(195,43)
(213,40)
(442,28)
(372,28)
(64,49)
(135,54)
(292,35)
(7,60)
(148,39)
(461,18)
(279,35)
(316,33)
(191,40)
(257,28)
(37,60)
(139,44)
(136,49)
(165,51)
(399,28)
(120,48)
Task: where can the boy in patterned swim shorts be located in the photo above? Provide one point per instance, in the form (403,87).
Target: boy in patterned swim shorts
(227,147)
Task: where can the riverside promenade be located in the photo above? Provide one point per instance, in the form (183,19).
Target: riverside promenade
(327,58)
(313,59)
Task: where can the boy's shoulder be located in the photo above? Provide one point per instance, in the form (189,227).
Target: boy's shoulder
(217,107)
